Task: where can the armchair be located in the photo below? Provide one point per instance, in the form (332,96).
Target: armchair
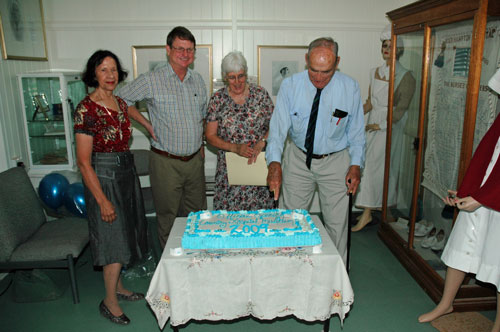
(27,239)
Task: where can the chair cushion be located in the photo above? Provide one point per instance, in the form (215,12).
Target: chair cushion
(54,240)
(21,212)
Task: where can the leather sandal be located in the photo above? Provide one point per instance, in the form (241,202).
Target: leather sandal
(132,297)
(122,319)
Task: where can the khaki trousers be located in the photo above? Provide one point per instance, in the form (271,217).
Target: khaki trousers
(178,188)
(327,175)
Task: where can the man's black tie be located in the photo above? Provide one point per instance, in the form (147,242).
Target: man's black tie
(311,128)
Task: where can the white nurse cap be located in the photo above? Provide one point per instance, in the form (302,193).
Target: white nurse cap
(386,35)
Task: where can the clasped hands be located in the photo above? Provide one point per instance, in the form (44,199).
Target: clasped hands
(467,203)
(247,151)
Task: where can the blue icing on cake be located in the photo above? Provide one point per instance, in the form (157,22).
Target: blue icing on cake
(250,229)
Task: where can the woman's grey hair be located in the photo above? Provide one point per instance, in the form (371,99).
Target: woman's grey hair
(325,42)
(233,62)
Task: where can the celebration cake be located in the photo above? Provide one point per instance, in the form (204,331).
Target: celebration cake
(250,229)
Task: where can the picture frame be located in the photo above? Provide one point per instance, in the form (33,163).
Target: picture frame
(147,57)
(276,63)
(22,30)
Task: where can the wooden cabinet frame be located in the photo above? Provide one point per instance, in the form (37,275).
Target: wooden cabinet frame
(423,16)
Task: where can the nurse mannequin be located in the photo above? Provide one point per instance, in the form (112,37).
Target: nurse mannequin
(473,246)
(370,192)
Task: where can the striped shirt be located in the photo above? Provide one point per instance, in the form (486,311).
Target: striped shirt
(176,108)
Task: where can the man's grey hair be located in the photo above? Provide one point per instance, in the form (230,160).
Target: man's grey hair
(233,62)
(324,42)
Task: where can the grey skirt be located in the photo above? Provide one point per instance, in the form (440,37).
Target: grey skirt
(125,240)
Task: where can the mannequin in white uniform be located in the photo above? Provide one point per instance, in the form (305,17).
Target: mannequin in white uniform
(473,246)
(370,192)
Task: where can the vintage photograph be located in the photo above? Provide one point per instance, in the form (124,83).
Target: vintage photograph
(275,63)
(22,30)
(282,70)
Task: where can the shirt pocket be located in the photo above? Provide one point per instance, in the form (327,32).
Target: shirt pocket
(299,121)
(337,125)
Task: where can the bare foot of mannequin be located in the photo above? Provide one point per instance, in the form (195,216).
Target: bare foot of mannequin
(364,220)
(436,313)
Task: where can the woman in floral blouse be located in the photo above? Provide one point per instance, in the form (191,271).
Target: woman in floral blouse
(117,223)
(238,121)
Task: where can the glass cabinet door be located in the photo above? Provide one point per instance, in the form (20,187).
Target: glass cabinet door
(444,121)
(404,135)
(447,88)
(45,120)
(47,101)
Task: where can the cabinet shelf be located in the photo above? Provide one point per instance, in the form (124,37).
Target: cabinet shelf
(52,136)
(46,121)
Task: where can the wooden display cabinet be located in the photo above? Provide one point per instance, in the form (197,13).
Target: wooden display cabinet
(452,48)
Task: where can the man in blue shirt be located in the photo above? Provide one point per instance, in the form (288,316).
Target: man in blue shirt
(320,110)
(177,102)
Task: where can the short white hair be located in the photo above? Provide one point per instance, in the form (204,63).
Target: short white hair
(233,62)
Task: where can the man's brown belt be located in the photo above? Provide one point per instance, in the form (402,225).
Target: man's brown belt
(173,156)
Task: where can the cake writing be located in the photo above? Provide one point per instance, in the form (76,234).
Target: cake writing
(236,223)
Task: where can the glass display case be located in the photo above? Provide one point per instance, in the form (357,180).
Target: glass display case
(451,48)
(48,101)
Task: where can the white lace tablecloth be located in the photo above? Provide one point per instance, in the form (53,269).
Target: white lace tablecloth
(263,283)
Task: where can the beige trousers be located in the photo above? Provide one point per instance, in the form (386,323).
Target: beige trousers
(327,175)
(178,188)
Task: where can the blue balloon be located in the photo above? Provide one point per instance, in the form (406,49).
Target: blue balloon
(51,189)
(74,200)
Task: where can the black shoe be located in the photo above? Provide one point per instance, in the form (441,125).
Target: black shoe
(122,320)
(132,297)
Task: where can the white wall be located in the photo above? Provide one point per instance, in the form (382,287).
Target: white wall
(75,29)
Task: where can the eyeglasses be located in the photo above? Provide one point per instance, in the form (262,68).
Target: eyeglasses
(234,78)
(182,49)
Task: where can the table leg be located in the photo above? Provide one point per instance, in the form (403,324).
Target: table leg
(174,328)
(326,325)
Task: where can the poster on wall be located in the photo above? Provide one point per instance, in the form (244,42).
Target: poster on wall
(22,30)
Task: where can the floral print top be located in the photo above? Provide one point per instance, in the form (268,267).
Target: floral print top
(240,124)
(110,129)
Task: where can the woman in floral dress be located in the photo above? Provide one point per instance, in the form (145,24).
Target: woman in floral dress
(238,121)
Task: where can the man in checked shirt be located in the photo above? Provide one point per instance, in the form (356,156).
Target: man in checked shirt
(176,97)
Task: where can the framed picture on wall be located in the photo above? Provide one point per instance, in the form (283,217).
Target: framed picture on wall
(150,57)
(276,63)
(22,30)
